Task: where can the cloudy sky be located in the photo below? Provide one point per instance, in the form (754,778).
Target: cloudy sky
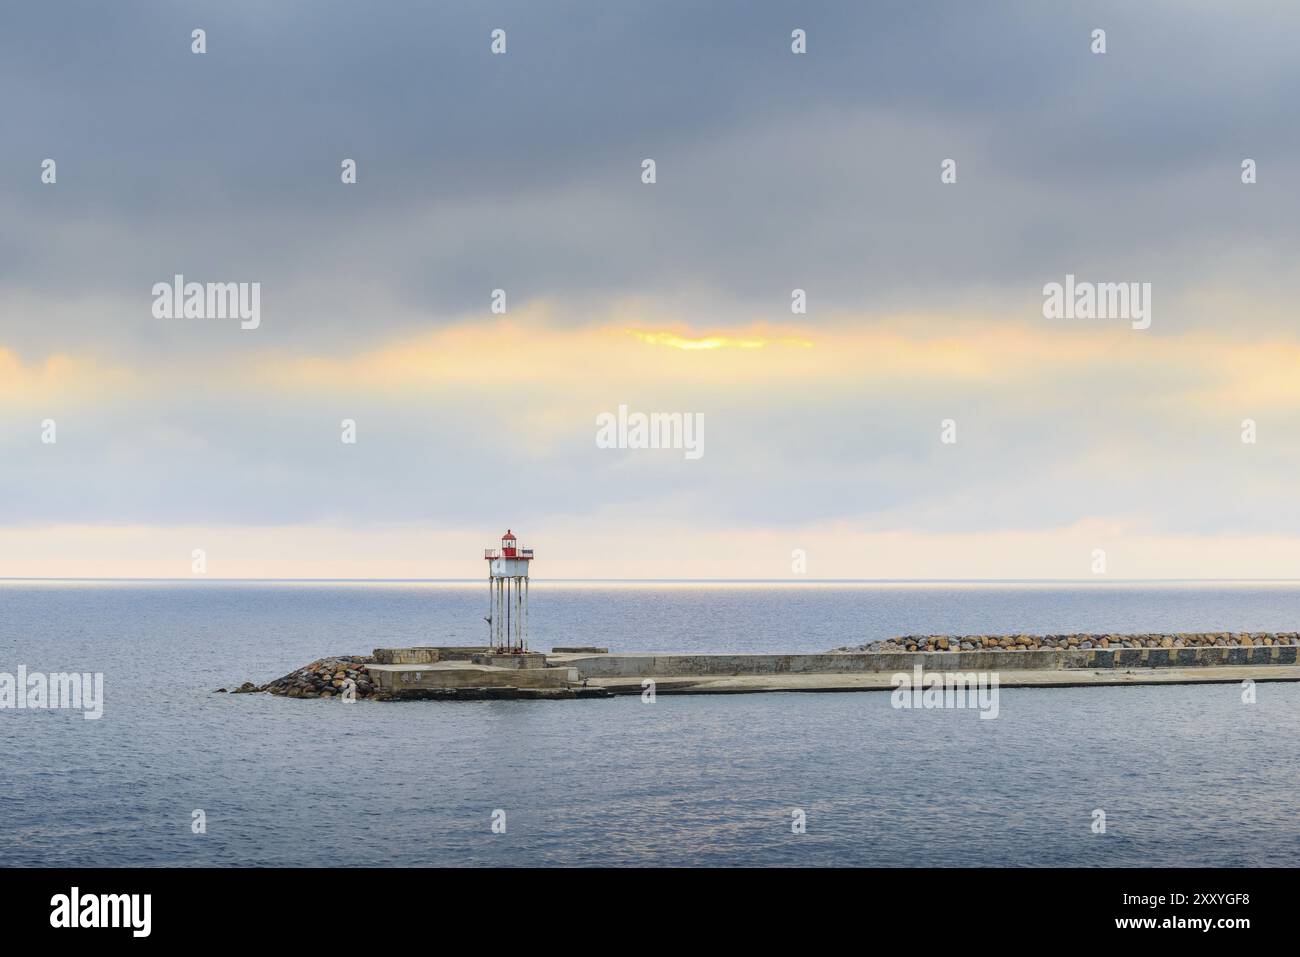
(775,171)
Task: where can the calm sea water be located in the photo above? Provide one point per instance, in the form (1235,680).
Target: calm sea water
(1186,775)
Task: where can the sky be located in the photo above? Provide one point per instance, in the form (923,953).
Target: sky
(1084,448)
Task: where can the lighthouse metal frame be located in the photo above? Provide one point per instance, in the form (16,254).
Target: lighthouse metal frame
(508,595)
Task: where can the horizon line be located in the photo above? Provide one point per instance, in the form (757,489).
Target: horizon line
(719,581)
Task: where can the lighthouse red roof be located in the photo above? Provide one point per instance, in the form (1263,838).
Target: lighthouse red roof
(509,549)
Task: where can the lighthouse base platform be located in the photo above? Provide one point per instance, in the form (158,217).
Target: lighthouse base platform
(510,659)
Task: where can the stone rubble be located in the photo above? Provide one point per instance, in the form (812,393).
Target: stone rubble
(1220,639)
(325,678)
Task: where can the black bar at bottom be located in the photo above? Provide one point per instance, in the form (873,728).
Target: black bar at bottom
(319,906)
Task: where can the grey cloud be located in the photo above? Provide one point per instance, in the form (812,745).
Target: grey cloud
(521,171)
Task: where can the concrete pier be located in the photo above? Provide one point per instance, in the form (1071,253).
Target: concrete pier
(882,681)
(701,665)
(480,672)
(735,674)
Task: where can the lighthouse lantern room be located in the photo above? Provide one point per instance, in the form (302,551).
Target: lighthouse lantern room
(508,595)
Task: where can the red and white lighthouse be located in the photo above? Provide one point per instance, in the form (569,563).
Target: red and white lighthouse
(508,595)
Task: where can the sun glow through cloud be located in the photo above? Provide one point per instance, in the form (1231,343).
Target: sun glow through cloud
(688,343)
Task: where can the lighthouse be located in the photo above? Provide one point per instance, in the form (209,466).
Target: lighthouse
(508,595)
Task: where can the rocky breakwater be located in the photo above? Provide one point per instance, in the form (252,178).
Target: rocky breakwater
(326,678)
(1067,642)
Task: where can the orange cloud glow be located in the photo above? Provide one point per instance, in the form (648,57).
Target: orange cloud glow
(712,342)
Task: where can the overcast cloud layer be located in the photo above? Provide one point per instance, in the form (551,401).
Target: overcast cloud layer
(775,171)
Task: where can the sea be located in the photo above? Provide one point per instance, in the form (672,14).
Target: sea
(174,774)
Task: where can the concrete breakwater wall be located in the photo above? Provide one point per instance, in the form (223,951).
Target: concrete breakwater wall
(1048,659)
(472,673)
(935,643)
